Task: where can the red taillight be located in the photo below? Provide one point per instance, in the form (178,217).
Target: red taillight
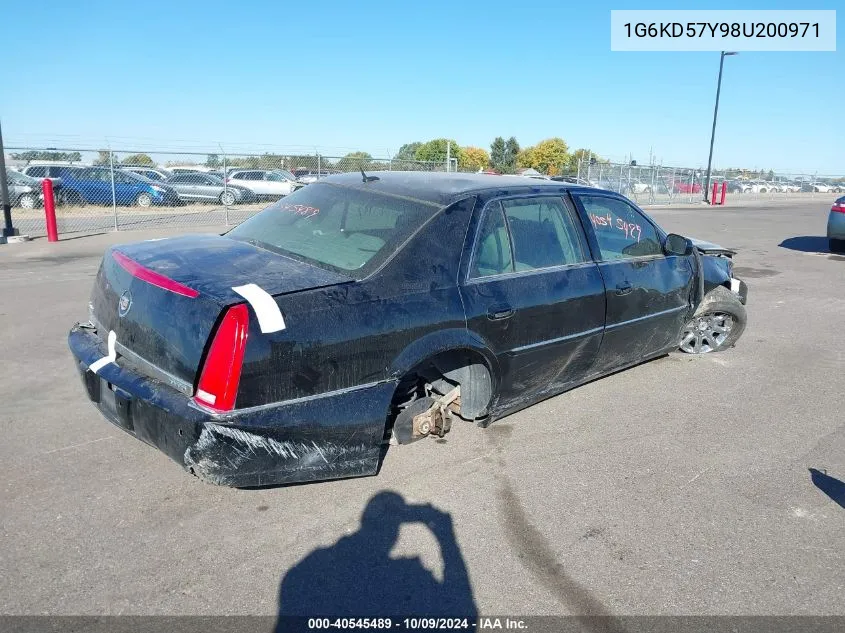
(221,373)
(838,207)
(151,277)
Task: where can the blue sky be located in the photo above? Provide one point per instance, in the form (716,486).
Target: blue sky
(343,76)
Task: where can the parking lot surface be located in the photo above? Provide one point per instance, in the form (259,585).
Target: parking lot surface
(681,486)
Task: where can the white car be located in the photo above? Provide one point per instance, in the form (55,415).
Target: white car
(820,187)
(265,183)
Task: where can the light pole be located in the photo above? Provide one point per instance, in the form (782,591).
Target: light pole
(715,112)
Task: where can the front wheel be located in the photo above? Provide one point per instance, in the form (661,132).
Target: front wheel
(716,325)
(28,201)
(144,200)
(227,198)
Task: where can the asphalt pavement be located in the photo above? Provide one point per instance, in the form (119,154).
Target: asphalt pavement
(681,486)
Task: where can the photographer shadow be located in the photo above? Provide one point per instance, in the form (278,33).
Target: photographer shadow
(356,577)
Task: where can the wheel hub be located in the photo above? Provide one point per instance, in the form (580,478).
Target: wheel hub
(706,333)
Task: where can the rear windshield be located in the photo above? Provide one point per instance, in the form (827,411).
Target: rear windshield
(336,227)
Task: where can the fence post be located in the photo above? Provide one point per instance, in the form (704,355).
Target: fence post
(225,187)
(579,169)
(113,197)
(620,178)
(50,210)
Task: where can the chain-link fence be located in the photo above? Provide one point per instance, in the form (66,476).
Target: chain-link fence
(110,190)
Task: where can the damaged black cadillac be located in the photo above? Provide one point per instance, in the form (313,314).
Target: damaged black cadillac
(373,309)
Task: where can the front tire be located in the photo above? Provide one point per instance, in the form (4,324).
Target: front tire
(836,246)
(716,325)
(227,198)
(144,200)
(28,201)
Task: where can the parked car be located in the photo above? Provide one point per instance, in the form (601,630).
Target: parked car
(150,173)
(93,185)
(309,177)
(207,188)
(265,183)
(816,187)
(39,171)
(836,226)
(684,186)
(24,191)
(190,169)
(639,186)
(392,304)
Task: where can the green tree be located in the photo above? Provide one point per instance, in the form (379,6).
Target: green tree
(549,156)
(474,159)
(771,175)
(139,160)
(408,151)
(435,151)
(497,154)
(213,161)
(511,152)
(73,157)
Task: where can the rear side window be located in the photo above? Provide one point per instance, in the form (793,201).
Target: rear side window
(493,254)
(621,231)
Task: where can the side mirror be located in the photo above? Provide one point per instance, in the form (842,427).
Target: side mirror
(677,245)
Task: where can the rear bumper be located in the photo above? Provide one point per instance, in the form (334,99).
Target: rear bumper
(328,436)
(836,225)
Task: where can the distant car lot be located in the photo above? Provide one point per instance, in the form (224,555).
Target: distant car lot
(671,488)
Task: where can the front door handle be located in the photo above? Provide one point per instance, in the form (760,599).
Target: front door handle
(499,313)
(624,288)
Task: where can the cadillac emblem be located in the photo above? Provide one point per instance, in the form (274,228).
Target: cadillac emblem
(124,303)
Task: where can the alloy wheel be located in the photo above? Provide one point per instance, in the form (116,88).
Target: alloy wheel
(706,333)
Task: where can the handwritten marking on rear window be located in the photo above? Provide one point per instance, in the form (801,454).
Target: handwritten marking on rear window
(632,231)
(300,209)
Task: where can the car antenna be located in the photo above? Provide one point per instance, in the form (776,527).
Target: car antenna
(366,177)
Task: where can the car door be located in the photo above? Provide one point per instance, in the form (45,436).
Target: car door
(649,294)
(207,187)
(533,293)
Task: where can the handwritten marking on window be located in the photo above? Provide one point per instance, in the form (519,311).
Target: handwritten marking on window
(632,231)
(300,209)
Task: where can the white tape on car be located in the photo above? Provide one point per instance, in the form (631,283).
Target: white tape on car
(270,318)
(735,285)
(105,360)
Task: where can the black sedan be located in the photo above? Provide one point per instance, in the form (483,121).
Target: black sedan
(375,308)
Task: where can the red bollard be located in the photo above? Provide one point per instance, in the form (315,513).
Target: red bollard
(50,210)
(713,197)
(724,192)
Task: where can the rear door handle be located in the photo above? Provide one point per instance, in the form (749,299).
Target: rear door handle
(624,288)
(500,313)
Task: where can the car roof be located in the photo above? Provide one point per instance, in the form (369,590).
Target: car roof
(444,188)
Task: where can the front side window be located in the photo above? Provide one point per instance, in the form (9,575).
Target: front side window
(543,233)
(621,231)
(340,228)
(36,172)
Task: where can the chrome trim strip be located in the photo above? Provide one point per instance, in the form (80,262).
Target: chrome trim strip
(648,316)
(218,416)
(556,340)
(531,271)
(152,371)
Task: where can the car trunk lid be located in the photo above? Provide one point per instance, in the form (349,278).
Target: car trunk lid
(163,298)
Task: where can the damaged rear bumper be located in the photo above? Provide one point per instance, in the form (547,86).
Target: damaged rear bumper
(327,436)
